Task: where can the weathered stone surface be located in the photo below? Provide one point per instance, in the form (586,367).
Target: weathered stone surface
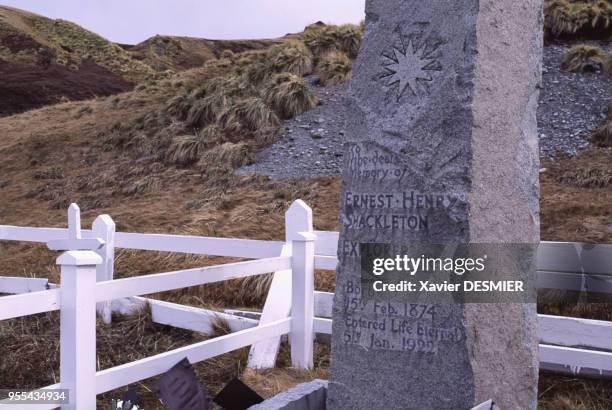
(305,396)
(443,103)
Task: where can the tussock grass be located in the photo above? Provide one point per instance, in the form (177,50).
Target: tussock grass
(227,154)
(291,57)
(179,106)
(567,18)
(288,95)
(207,110)
(186,150)
(322,39)
(230,85)
(258,70)
(251,113)
(334,67)
(584,58)
(227,53)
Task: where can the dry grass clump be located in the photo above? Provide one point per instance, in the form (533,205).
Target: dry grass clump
(565,18)
(186,150)
(587,178)
(207,110)
(227,53)
(228,154)
(291,57)
(584,58)
(250,113)
(288,95)
(242,105)
(571,393)
(334,67)
(322,39)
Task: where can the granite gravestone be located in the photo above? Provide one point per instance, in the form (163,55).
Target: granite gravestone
(442,149)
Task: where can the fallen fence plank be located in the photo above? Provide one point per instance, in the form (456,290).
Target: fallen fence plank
(181,316)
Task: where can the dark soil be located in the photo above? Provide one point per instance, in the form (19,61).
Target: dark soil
(24,87)
(571,106)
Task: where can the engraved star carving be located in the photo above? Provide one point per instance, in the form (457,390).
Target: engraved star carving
(405,68)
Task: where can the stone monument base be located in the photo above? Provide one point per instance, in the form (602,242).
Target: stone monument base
(305,396)
(313,396)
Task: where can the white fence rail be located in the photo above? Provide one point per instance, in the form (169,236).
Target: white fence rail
(572,345)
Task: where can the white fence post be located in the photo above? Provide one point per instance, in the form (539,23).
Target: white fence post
(78,328)
(298,218)
(104,228)
(302,300)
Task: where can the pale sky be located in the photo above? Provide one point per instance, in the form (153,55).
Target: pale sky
(132,21)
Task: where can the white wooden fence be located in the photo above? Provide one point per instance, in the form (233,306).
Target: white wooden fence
(569,345)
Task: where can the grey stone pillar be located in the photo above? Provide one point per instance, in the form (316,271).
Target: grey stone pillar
(442,149)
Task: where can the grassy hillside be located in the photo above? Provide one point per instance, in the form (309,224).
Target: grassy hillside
(32,39)
(45,61)
(179,53)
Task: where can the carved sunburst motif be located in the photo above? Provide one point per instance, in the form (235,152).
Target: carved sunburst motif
(406,67)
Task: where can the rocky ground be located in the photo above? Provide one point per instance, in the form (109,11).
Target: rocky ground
(571,106)
(311,144)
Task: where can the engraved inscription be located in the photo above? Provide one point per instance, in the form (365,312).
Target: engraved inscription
(410,327)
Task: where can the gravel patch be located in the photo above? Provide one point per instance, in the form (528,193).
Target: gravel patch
(571,106)
(311,144)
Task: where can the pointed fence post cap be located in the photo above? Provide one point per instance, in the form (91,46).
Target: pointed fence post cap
(103,221)
(79,258)
(298,218)
(74,221)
